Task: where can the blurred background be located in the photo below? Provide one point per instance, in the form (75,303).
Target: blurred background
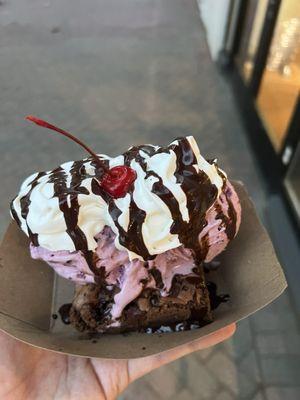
(122,72)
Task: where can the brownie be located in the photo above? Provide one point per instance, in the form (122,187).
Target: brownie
(187,303)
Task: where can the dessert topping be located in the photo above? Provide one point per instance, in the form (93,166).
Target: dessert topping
(115,181)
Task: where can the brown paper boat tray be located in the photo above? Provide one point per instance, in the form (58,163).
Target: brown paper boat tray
(30,293)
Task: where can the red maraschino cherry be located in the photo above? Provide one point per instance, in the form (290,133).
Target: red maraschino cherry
(116,181)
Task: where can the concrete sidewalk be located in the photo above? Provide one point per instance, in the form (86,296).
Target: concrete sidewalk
(125,72)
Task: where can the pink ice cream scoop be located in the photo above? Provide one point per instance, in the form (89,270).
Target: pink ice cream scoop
(223,221)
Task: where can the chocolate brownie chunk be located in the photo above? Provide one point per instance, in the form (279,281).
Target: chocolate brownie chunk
(188,301)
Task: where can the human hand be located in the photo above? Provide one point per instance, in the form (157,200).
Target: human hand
(27,372)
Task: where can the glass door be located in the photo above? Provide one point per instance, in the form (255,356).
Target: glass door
(254,18)
(280,84)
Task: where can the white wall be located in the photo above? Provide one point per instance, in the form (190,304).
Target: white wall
(214,16)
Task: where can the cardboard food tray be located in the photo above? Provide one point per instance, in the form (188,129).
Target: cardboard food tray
(30,294)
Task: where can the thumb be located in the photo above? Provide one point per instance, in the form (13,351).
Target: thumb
(141,366)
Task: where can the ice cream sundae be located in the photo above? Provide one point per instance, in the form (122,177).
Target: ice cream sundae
(132,232)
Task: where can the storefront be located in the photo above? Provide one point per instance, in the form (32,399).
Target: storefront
(261,52)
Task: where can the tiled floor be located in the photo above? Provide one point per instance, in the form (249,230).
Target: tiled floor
(123,72)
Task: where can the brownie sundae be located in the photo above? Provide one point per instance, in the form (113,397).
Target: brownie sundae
(132,232)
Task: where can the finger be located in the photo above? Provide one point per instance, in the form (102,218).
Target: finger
(141,366)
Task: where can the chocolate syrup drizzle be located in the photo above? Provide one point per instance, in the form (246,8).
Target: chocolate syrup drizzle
(199,191)
(68,201)
(25,203)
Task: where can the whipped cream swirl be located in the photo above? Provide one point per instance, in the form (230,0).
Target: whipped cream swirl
(65,208)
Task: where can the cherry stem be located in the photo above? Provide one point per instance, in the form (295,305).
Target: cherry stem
(45,124)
